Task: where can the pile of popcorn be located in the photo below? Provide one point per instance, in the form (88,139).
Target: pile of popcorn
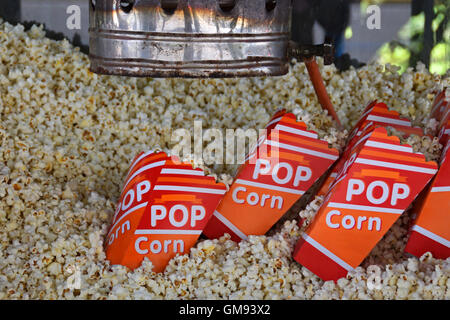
(67,137)
(428,146)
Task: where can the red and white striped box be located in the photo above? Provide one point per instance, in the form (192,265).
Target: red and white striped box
(430,231)
(441,112)
(440,105)
(444,126)
(162,211)
(375,114)
(283,166)
(139,181)
(378,181)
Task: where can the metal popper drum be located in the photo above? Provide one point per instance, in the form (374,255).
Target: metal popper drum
(199,38)
(190,38)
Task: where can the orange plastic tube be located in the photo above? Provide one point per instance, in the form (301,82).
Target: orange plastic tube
(319,87)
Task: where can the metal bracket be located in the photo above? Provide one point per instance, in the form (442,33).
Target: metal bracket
(301,52)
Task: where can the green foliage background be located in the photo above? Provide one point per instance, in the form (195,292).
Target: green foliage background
(410,41)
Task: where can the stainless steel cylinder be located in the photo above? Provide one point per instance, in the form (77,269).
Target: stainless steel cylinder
(190,38)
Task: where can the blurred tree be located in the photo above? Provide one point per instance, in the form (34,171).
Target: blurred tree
(425,38)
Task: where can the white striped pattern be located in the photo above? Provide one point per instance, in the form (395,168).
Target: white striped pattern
(438,105)
(358,133)
(440,189)
(171,231)
(273,121)
(367,136)
(388,146)
(327,252)
(250,157)
(395,166)
(335,182)
(302,150)
(333,175)
(139,159)
(186,172)
(145,168)
(135,208)
(268,186)
(364,129)
(431,235)
(189,189)
(298,132)
(445,114)
(364,208)
(230,226)
(366,126)
(389,120)
(366,113)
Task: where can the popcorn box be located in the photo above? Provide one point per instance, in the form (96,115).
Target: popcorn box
(162,211)
(375,114)
(440,105)
(444,133)
(280,169)
(441,112)
(141,176)
(431,229)
(378,113)
(444,126)
(379,180)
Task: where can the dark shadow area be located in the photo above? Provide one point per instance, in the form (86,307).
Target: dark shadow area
(333,16)
(10,12)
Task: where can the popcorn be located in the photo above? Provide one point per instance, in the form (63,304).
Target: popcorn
(51,100)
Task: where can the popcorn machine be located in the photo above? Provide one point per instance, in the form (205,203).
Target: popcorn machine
(200,38)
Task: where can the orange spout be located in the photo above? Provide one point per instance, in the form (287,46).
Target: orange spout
(319,87)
